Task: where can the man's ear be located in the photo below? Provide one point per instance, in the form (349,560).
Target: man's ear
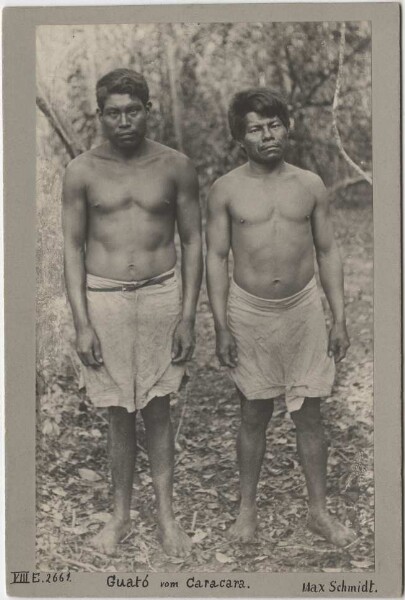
(99,114)
(148,106)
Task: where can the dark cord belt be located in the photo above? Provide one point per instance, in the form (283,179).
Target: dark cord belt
(131,287)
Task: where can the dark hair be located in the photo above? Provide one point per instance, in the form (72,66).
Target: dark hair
(122,81)
(261,100)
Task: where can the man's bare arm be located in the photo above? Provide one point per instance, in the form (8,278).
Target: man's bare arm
(218,247)
(74,235)
(330,270)
(188,216)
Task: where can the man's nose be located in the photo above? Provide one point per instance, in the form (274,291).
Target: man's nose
(123,120)
(267,133)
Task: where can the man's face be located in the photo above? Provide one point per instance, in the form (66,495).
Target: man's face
(124,120)
(265,139)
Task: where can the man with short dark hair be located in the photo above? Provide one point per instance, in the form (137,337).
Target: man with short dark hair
(269,322)
(121,202)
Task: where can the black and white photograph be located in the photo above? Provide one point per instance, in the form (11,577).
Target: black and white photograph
(203,374)
(216,422)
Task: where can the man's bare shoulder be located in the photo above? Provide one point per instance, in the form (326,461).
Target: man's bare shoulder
(170,155)
(308,179)
(178,163)
(225,186)
(79,167)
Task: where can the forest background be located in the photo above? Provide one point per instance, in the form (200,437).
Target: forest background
(324,72)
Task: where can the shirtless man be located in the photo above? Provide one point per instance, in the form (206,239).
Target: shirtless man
(121,201)
(269,323)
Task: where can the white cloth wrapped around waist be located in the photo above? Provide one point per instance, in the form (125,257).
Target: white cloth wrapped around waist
(282,346)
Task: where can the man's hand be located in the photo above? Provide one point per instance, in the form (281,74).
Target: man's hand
(183,342)
(226,349)
(88,347)
(338,341)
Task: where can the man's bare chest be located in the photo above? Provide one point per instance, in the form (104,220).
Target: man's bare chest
(261,206)
(111,191)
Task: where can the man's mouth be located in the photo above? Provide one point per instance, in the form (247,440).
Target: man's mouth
(270,147)
(126,134)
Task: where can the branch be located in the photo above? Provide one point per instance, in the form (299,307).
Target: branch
(56,125)
(342,151)
(345,183)
(183,411)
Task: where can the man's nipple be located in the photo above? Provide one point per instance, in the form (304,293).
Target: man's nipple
(242,220)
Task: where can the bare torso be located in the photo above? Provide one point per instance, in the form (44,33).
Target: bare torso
(271,234)
(130,213)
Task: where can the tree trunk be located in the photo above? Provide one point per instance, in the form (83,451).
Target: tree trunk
(173,84)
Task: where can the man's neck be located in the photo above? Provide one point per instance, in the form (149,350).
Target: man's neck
(274,168)
(127,154)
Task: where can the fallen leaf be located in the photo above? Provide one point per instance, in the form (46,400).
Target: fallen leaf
(89,475)
(198,536)
(101,516)
(362,564)
(222,558)
(176,560)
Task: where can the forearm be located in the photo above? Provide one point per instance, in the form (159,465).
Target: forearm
(75,279)
(218,288)
(331,276)
(191,273)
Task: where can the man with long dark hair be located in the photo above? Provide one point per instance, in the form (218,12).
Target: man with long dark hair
(269,322)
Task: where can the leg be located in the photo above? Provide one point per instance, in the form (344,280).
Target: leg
(122,448)
(251,446)
(312,451)
(160,444)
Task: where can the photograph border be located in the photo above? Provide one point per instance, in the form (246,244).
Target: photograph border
(19,26)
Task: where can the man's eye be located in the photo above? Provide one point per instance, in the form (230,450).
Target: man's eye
(274,125)
(112,113)
(133,112)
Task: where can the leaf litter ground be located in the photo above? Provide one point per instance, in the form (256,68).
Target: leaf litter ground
(73,481)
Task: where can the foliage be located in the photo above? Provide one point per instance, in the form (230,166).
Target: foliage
(193,70)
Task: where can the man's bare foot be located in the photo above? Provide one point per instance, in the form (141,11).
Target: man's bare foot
(244,528)
(174,540)
(329,528)
(107,539)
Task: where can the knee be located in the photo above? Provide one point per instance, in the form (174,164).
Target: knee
(120,418)
(156,413)
(308,418)
(255,417)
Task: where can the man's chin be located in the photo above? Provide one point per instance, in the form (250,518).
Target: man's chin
(270,159)
(128,143)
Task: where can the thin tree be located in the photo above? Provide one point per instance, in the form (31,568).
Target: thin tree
(172,71)
(335,103)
